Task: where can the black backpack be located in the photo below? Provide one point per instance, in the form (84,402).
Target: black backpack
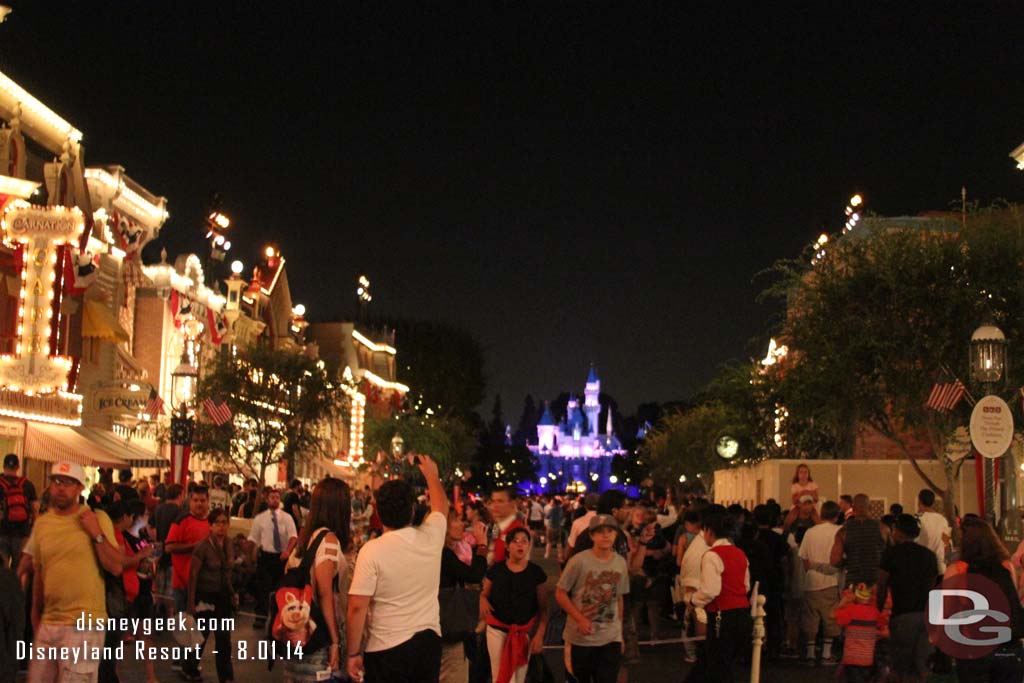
(295,613)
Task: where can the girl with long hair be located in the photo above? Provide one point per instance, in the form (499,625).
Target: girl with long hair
(803,484)
(330,509)
(982,553)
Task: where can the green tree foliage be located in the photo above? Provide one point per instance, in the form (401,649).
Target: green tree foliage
(279,399)
(448,439)
(683,443)
(872,323)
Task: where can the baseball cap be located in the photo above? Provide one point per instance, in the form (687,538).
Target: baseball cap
(68,469)
(10,461)
(807,498)
(603,521)
(591,501)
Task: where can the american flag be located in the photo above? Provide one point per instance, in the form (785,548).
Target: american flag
(217,410)
(154,405)
(945,397)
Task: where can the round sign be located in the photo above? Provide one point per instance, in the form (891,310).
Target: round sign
(727,447)
(991,426)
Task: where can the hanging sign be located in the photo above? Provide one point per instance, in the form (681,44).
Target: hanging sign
(991,426)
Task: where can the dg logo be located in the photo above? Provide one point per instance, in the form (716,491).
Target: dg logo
(968,616)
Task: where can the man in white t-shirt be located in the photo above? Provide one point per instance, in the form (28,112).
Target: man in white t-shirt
(935,531)
(821,587)
(394,588)
(581,524)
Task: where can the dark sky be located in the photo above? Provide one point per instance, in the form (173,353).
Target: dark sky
(570,183)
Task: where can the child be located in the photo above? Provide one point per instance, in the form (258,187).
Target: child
(590,592)
(861,621)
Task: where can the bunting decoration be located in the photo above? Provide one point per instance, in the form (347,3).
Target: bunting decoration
(131,238)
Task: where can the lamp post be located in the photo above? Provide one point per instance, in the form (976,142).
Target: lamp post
(397,446)
(989,369)
(183,388)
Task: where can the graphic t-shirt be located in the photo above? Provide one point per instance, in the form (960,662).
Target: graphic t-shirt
(188,530)
(595,587)
(67,561)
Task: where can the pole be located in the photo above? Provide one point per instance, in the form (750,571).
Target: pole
(1010,522)
(757,612)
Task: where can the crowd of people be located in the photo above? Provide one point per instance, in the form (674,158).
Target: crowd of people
(406,583)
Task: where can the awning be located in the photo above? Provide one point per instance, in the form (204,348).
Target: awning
(99,322)
(135,455)
(85,446)
(55,443)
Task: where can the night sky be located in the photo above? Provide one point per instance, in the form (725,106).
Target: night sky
(571,184)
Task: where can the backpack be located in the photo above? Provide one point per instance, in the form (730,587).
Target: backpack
(15,501)
(295,614)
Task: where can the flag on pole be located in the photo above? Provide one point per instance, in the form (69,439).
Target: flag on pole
(945,396)
(181,448)
(218,411)
(154,405)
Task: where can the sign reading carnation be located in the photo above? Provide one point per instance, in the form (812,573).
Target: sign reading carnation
(37,232)
(991,427)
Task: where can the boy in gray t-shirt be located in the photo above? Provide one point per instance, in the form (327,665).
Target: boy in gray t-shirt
(590,592)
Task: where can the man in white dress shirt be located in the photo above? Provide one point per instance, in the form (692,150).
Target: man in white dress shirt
(273,532)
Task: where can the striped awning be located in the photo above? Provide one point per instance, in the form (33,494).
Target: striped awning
(56,443)
(86,446)
(133,454)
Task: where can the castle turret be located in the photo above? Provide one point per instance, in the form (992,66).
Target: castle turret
(590,400)
(546,430)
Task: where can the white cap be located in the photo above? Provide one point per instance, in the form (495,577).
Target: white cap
(68,469)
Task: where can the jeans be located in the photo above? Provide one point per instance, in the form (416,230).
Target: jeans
(596,663)
(417,660)
(222,609)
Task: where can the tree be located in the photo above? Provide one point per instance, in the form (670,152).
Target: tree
(681,448)
(448,439)
(278,398)
(872,325)
(527,430)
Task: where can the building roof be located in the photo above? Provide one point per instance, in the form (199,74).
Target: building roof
(546,420)
(592,375)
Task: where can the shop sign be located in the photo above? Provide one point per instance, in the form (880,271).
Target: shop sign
(991,426)
(120,401)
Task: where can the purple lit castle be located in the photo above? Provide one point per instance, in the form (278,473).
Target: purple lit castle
(573,455)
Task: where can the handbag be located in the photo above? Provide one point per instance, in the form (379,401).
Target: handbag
(460,612)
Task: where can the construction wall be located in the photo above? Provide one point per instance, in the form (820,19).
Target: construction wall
(884,481)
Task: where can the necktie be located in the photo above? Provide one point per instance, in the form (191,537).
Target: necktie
(277,532)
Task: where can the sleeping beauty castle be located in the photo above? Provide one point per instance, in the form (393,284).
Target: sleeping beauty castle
(572,454)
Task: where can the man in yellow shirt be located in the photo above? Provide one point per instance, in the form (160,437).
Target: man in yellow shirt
(70,547)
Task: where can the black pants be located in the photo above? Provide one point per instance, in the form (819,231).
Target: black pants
(108,667)
(222,609)
(596,663)
(773,622)
(728,631)
(269,568)
(417,660)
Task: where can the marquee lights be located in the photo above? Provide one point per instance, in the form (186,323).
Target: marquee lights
(128,199)
(37,232)
(31,108)
(383,383)
(16,187)
(853,211)
(373,346)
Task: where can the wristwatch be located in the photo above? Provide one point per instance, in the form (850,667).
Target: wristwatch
(99,538)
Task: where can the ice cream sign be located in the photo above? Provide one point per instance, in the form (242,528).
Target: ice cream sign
(37,233)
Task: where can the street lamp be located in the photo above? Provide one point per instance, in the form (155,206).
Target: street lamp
(989,369)
(397,446)
(183,389)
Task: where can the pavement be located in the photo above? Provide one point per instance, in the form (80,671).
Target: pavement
(661,662)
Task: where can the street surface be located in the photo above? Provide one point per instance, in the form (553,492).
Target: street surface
(658,663)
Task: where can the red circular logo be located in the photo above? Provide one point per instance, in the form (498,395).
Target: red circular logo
(968,616)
